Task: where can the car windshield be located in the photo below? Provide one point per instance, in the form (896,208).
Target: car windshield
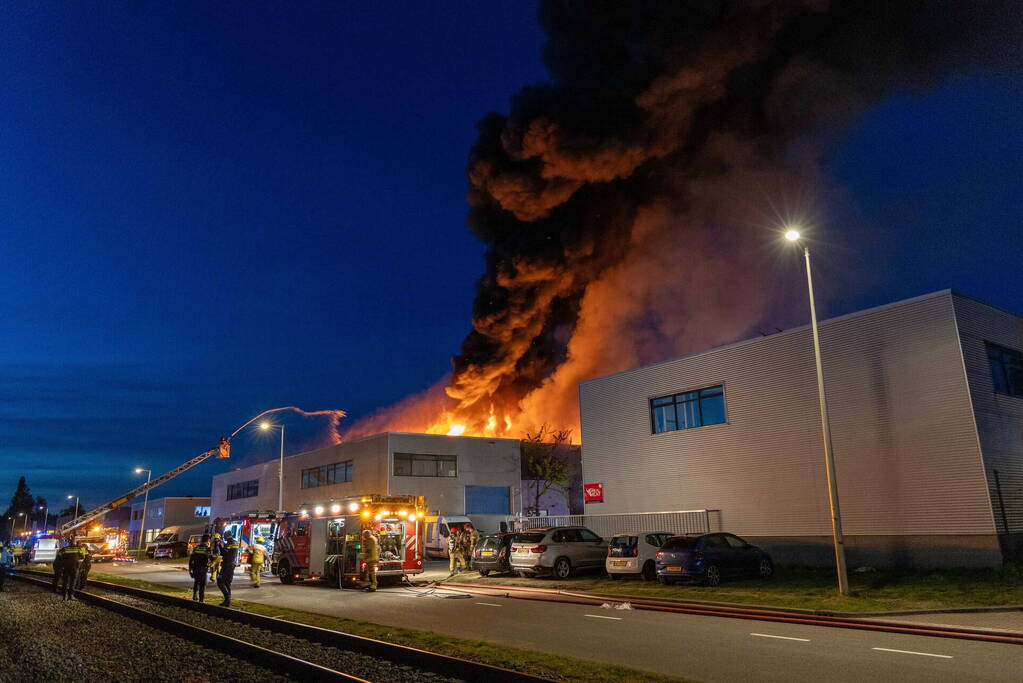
(490,542)
(623,541)
(679,543)
(528,538)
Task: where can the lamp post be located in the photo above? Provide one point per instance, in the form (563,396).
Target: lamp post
(266,426)
(793,235)
(69,497)
(13,517)
(145,503)
(46,515)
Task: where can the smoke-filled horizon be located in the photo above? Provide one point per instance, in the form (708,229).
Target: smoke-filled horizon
(629,204)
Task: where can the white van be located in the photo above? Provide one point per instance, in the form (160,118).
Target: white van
(43,550)
(438,528)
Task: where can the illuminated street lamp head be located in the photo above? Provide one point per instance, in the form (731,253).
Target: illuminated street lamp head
(264,426)
(70,496)
(792,234)
(139,470)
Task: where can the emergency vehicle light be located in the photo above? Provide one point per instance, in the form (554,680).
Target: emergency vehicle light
(411,518)
(335,509)
(365,514)
(318,509)
(352,507)
(401,513)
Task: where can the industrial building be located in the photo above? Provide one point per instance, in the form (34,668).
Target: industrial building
(164,512)
(457,474)
(926,409)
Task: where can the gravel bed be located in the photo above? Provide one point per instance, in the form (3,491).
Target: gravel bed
(44,639)
(352,663)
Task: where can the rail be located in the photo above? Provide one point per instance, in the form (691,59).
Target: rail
(423,660)
(296,668)
(672,521)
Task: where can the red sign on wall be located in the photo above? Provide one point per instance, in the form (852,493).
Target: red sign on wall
(593,493)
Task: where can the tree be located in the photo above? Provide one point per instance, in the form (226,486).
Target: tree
(21,502)
(543,465)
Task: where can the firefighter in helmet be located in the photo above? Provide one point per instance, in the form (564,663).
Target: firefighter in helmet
(86,565)
(229,555)
(257,556)
(70,557)
(371,559)
(198,565)
(455,557)
(216,556)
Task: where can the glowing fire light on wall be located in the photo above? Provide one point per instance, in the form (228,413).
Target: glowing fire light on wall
(456,430)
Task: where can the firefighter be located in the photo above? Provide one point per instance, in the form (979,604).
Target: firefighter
(86,566)
(471,538)
(371,558)
(70,557)
(216,553)
(198,565)
(257,556)
(229,560)
(17,551)
(455,556)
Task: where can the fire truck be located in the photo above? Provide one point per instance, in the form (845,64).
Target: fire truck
(246,527)
(105,544)
(324,541)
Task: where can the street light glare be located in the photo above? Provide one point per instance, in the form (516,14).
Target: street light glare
(138,470)
(792,235)
(264,426)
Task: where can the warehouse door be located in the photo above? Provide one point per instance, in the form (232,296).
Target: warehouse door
(487,500)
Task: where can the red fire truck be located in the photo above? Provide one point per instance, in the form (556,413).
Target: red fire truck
(246,527)
(324,541)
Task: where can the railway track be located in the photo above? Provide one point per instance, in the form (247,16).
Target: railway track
(260,639)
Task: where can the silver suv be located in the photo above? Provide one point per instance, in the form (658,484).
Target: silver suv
(558,550)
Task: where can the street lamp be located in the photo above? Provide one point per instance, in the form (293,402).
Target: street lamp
(69,497)
(13,517)
(792,235)
(145,503)
(266,426)
(46,515)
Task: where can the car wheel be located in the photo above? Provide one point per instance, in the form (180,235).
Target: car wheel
(712,575)
(614,577)
(484,572)
(766,568)
(562,568)
(284,573)
(649,571)
(665,581)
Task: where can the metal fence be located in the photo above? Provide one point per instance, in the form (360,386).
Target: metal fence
(675,522)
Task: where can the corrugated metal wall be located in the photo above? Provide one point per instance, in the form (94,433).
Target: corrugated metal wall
(907,455)
(999,417)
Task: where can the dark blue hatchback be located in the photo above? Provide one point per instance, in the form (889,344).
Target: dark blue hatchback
(711,558)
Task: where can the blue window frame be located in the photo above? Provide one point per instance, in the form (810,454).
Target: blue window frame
(687,410)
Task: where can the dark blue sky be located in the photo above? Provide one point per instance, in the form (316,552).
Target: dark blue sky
(211,209)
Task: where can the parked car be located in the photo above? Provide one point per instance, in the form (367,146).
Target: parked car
(634,554)
(711,558)
(492,553)
(42,550)
(558,551)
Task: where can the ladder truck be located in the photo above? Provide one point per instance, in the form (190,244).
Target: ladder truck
(223,450)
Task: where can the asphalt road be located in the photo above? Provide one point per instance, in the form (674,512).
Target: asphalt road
(696,647)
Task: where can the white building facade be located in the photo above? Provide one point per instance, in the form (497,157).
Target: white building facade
(926,404)
(457,475)
(164,512)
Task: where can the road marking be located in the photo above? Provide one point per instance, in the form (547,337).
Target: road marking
(489,604)
(601,616)
(910,652)
(768,635)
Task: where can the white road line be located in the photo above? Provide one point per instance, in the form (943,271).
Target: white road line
(601,616)
(910,652)
(768,635)
(489,604)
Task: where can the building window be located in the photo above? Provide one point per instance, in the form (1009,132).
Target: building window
(325,475)
(1006,369)
(421,465)
(688,410)
(243,489)
(202,510)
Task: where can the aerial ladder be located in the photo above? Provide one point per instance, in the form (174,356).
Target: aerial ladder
(223,450)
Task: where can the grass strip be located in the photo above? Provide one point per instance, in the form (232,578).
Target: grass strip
(811,588)
(537,663)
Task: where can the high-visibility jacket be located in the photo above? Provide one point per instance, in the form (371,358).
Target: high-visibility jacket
(370,549)
(230,554)
(199,559)
(257,553)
